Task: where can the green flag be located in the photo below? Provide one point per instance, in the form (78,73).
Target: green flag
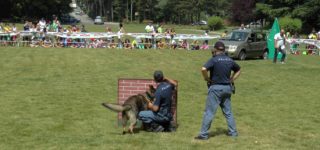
(274,30)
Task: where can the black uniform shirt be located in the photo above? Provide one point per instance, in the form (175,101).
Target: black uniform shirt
(220,67)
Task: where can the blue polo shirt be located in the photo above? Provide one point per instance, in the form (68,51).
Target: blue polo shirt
(220,67)
(163,97)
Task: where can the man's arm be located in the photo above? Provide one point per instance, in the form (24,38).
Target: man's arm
(152,107)
(171,81)
(235,75)
(205,76)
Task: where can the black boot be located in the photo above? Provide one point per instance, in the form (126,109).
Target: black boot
(147,127)
(157,127)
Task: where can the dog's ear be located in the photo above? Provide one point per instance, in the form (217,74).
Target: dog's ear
(151,88)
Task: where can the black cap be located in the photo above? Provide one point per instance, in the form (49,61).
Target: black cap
(219,45)
(158,75)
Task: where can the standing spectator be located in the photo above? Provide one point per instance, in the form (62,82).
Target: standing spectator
(83,28)
(15,31)
(1,27)
(220,89)
(42,24)
(160,30)
(279,44)
(149,28)
(242,27)
(168,36)
(224,34)
(26,26)
(108,29)
(120,34)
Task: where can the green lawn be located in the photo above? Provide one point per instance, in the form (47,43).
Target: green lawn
(50,99)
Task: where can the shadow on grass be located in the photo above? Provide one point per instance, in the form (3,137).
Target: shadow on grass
(219,131)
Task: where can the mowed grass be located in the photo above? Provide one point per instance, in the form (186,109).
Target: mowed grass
(50,99)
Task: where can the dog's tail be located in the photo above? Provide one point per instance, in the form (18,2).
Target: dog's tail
(116,107)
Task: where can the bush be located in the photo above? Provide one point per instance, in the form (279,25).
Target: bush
(290,24)
(215,23)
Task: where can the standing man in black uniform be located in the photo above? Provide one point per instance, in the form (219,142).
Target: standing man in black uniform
(220,82)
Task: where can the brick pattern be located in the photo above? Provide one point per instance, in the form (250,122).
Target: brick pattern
(129,87)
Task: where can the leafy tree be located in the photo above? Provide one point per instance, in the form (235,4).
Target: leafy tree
(307,11)
(215,23)
(33,9)
(242,10)
(290,24)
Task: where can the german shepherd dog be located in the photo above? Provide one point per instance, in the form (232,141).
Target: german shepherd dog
(132,106)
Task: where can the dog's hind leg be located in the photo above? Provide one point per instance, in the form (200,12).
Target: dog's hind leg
(133,120)
(124,122)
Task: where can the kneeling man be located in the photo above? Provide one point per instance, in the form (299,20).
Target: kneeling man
(159,115)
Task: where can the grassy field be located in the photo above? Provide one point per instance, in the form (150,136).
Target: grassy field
(50,99)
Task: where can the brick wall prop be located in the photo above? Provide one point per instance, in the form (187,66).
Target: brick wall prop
(129,87)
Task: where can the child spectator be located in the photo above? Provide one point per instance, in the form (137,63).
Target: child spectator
(205,45)
(127,44)
(195,45)
(47,43)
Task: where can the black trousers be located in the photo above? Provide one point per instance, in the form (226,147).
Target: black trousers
(282,51)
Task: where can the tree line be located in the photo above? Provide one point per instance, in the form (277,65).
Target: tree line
(19,10)
(170,11)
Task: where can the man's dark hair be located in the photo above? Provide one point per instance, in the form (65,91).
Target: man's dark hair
(219,46)
(158,76)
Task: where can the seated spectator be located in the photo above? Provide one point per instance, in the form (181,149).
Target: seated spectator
(147,44)
(59,42)
(195,45)
(127,44)
(134,43)
(185,44)
(47,43)
(160,44)
(34,42)
(112,44)
(140,44)
(174,44)
(205,45)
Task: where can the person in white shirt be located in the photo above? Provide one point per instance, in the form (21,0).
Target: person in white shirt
(42,24)
(149,28)
(279,45)
(242,27)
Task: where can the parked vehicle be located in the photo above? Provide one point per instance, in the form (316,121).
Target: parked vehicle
(202,22)
(253,25)
(66,19)
(98,20)
(247,43)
